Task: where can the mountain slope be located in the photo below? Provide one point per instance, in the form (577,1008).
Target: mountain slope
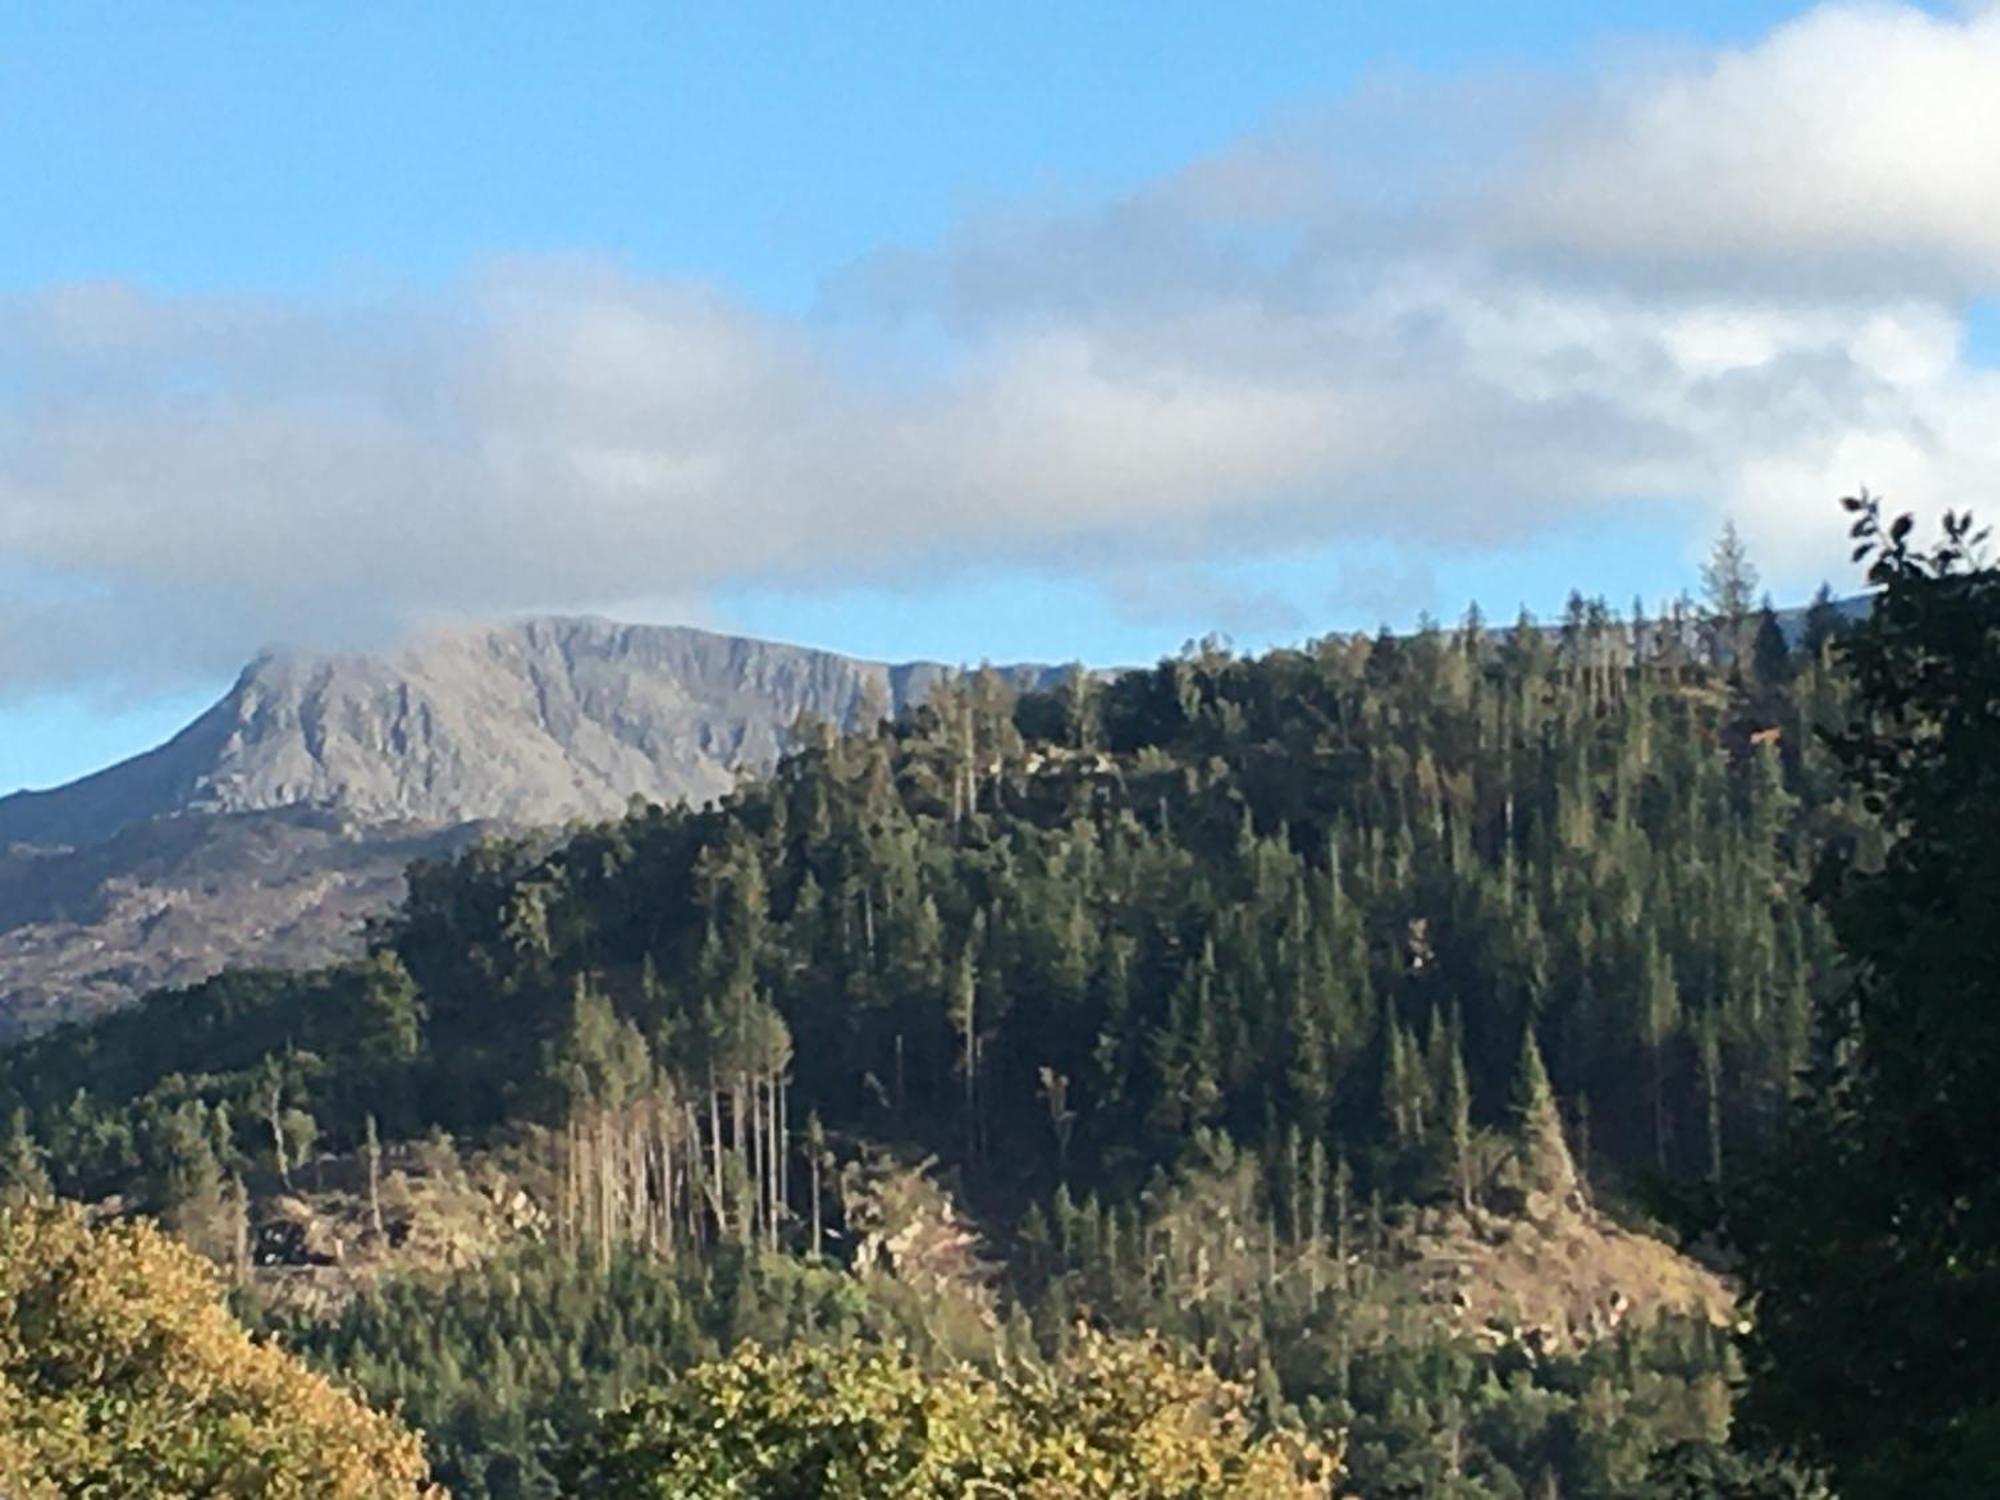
(533,723)
(170,901)
(269,827)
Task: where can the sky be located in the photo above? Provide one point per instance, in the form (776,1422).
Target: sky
(958,331)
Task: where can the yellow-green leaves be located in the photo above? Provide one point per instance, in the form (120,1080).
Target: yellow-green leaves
(122,1374)
(1121,1419)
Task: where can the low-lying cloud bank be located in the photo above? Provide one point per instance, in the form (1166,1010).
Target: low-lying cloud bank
(1453,313)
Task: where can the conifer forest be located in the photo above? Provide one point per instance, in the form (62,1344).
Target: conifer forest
(1263,1007)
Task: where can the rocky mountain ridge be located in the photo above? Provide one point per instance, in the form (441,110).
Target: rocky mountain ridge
(535,723)
(270,826)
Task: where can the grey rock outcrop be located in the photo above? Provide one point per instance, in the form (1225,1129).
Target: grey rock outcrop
(532,723)
(267,828)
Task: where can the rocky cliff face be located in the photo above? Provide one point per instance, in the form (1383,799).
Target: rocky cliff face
(531,723)
(267,828)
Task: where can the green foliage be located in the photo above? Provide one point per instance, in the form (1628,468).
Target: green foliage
(1706,1471)
(1126,1419)
(24,1176)
(1542,1158)
(1873,1241)
(1349,1346)
(503,1366)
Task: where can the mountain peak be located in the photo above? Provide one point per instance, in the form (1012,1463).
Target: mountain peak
(534,721)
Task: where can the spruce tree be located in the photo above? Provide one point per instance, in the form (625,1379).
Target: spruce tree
(1458,1124)
(1541,1156)
(1729,588)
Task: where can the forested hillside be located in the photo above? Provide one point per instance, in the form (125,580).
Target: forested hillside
(1204,999)
(272,825)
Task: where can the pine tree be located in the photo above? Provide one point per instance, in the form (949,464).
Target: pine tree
(1729,587)
(1458,1124)
(1542,1158)
(1770,653)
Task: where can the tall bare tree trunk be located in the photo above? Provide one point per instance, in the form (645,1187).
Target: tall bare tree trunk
(784,1146)
(739,1113)
(275,1115)
(715,1152)
(773,1157)
(696,1176)
(373,1147)
(813,1165)
(607,1189)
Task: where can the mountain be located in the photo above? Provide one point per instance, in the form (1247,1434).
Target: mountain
(270,826)
(533,723)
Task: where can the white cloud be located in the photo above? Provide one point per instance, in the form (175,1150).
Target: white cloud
(1447,314)
(1863,137)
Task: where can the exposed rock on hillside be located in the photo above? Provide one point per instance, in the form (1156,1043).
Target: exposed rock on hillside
(532,723)
(272,825)
(172,900)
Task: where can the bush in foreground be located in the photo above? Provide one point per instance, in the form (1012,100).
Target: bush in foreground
(1125,1418)
(122,1373)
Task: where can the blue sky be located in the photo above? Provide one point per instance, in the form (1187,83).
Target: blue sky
(246,243)
(310,146)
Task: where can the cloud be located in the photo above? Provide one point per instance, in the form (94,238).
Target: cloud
(1857,144)
(1448,314)
(1851,150)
